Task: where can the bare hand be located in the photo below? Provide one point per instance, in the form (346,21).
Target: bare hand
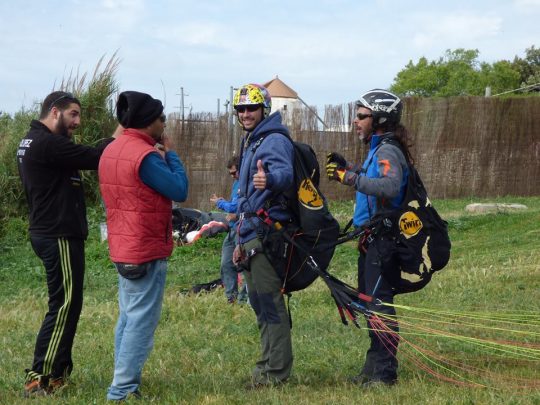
(167,142)
(160,149)
(259,178)
(214,199)
(230,217)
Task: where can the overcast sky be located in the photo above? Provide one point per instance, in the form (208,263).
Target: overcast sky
(329,51)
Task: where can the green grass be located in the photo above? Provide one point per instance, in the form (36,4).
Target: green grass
(205,348)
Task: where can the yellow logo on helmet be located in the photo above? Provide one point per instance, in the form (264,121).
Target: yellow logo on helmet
(308,195)
(410,224)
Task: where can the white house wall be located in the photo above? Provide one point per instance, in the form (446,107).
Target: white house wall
(278,103)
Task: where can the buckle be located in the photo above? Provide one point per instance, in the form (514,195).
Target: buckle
(252,252)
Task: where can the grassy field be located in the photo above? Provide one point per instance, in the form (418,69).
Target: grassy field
(205,348)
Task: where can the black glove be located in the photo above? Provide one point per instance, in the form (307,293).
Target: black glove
(334,157)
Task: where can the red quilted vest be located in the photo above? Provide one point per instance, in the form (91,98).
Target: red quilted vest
(139,220)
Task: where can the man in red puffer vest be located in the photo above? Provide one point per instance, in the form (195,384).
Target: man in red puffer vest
(139,178)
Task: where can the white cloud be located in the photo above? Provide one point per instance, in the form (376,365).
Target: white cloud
(528,5)
(327,50)
(456,29)
(122,5)
(194,33)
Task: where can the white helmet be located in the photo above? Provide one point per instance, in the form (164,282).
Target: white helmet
(386,107)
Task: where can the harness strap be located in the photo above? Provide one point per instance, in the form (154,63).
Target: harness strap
(289,309)
(246,215)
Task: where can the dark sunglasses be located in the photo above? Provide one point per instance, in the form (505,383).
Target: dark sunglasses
(63,96)
(250,108)
(162,118)
(361,116)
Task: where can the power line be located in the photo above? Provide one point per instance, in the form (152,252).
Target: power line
(521,88)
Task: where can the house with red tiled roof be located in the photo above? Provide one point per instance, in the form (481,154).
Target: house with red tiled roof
(283,97)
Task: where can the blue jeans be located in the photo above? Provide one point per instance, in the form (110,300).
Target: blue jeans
(140,303)
(229,274)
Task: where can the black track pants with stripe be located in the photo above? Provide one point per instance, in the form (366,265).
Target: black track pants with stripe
(64,264)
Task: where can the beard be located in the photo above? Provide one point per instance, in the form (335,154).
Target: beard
(365,138)
(157,135)
(62,128)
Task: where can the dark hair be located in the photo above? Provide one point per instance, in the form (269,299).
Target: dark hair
(405,140)
(58,99)
(233,161)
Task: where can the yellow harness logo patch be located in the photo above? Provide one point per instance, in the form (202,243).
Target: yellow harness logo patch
(410,224)
(309,196)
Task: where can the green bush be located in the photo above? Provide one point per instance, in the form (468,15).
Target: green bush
(12,200)
(97,123)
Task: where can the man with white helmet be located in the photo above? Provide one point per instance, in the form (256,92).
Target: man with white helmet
(380,185)
(266,172)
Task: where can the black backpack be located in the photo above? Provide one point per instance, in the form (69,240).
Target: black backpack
(421,235)
(313,234)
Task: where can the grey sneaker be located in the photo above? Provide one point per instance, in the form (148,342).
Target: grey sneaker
(376,383)
(135,395)
(253,384)
(359,379)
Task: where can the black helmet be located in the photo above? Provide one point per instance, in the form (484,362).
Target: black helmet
(386,107)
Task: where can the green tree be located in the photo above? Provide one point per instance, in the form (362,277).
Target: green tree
(458,73)
(529,68)
(462,73)
(422,79)
(501,76)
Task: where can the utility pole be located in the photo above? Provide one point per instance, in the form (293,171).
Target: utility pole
(226,105)
(230,126)
(182,104)
(182,107)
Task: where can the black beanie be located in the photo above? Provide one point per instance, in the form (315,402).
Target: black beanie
(137,110)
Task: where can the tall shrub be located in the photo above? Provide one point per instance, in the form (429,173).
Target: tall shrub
(97,122)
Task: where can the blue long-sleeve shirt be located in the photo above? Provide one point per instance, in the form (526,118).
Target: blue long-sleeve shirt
(231,205)
(166,176)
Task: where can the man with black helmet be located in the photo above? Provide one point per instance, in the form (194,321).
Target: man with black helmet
(49,163)
(266,173)
(139,178)
(380,185)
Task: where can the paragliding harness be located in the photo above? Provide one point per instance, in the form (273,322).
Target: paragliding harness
(310,237)
(306,266)
(422,245)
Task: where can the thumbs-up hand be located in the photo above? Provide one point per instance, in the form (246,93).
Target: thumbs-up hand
(259,178)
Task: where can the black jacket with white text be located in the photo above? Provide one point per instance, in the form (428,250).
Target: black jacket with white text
(48,166)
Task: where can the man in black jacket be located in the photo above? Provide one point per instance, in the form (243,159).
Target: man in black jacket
(48,162)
